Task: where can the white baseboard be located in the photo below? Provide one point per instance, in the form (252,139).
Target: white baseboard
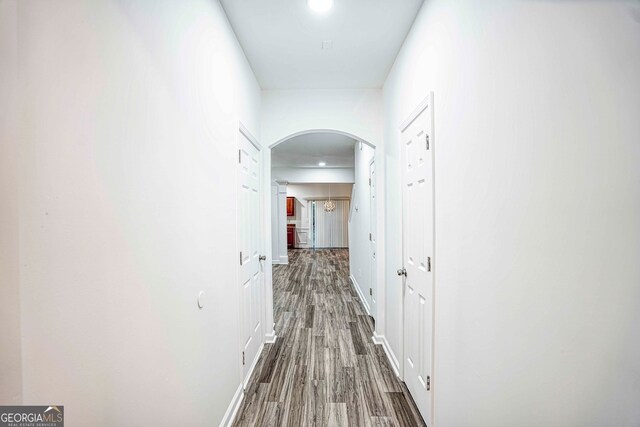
(393,360)
(270,338)
(365,303)
(232,410)
(253,366)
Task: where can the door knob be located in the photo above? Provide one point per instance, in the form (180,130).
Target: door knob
(262,258)
(402,272)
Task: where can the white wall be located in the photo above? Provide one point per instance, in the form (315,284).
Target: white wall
(130,124)
(318,191)
(313,175)
(354,111)
(274,222)
(10,346)
(537,208)
(360,225)
(280,254)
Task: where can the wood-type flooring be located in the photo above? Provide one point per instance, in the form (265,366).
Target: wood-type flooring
(323,369)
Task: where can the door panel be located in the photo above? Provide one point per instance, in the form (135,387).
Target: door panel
(417,249)
(374,237)
(249,272)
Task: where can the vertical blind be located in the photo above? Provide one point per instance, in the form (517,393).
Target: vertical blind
(329,229)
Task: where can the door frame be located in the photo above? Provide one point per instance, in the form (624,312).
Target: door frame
(424,104)
(243,131)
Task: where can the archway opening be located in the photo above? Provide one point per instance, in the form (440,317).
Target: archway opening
(324,202)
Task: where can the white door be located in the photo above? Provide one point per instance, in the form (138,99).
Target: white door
(250,275)
(373,237)
(417,253)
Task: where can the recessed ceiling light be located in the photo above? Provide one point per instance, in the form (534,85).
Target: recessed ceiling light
(320,6)
(322,164)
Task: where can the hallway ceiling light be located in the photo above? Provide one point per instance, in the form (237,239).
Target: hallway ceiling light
(320,6)
(322,164)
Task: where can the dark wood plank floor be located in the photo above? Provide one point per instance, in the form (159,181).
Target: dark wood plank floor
(323,369)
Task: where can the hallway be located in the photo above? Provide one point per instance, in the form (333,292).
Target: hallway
(179,179)
(323,369)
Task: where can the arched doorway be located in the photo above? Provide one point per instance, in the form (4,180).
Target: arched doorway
(370,292)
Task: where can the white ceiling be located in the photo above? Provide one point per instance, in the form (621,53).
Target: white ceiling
(283,41)
(306,151)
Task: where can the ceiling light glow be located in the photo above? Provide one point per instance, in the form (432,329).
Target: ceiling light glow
(322,164)
(320,6)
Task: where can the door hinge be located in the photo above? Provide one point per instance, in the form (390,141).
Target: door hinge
(239,156)
(240,258)
(428,382)
(370,239)
(371,291)
(428,263)
(243,360)
(427,140)
(369,182)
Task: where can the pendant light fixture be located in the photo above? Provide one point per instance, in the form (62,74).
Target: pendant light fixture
(329,205)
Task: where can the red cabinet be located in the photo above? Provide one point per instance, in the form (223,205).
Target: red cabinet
(291,236)
(291,206)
